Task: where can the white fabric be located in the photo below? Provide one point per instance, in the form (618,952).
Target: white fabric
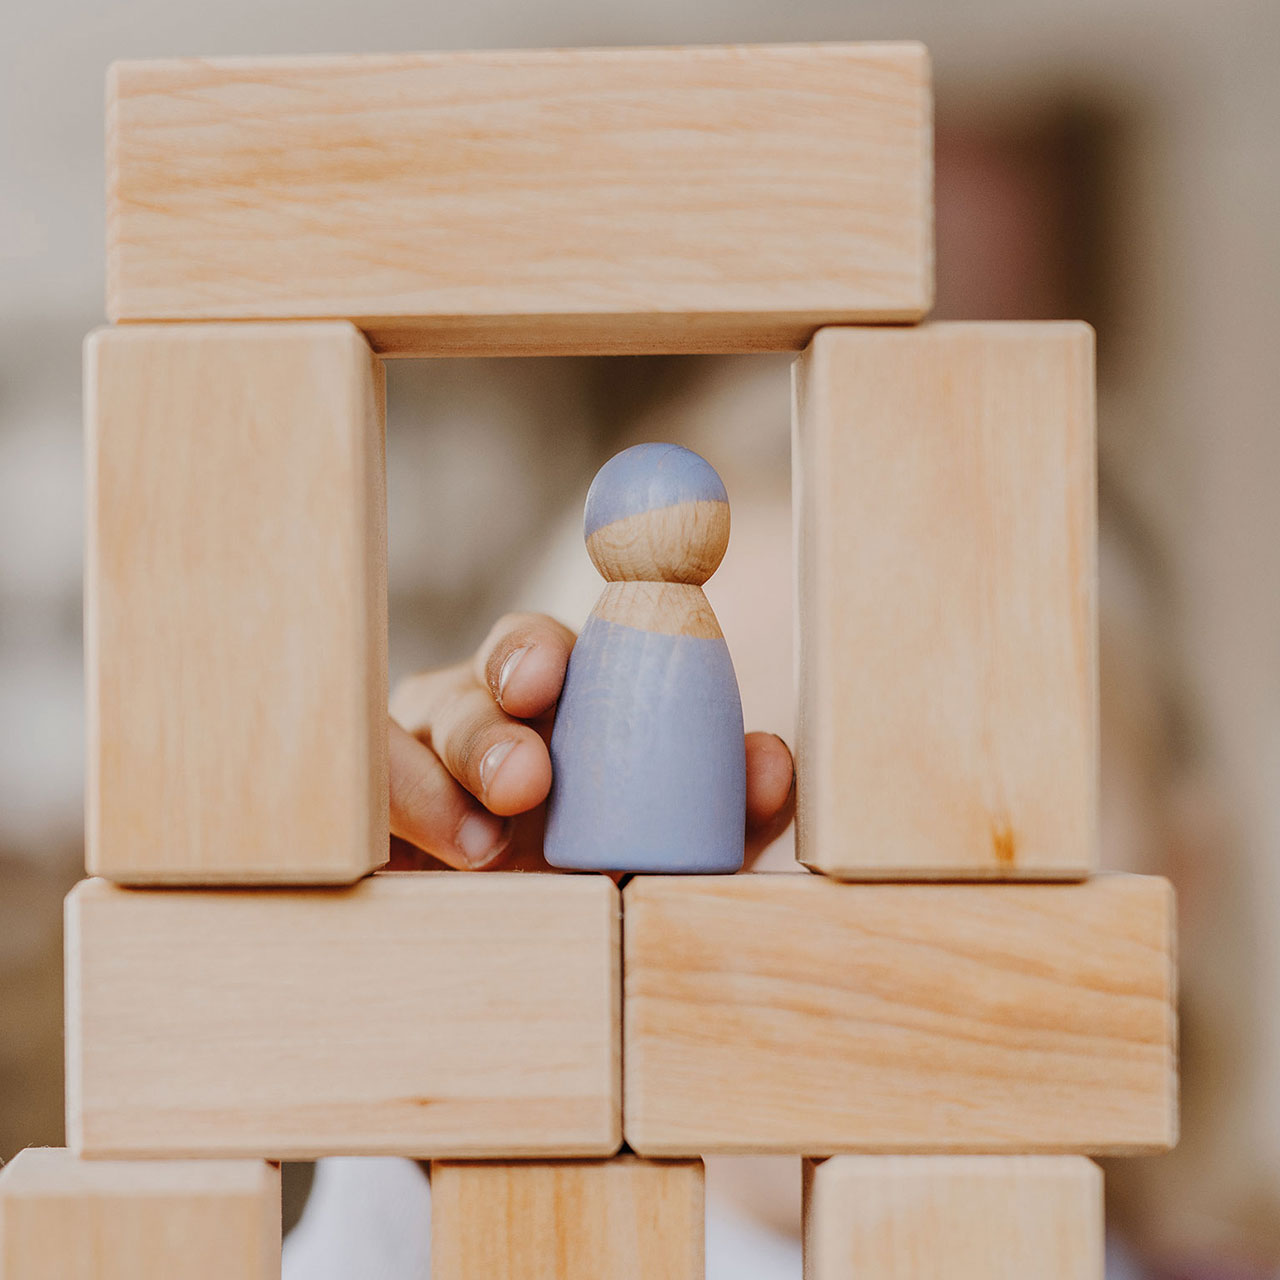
(366,1219)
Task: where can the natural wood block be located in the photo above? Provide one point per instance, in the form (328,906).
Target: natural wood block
(66,1219)
(579,201)
(953,1218)
(417,1014)
(620,1219)
(947,527)
(236,604)
(791,1014)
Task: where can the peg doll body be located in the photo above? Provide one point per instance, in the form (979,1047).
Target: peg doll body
(647,756)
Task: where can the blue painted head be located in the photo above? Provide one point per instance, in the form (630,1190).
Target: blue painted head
(657,512)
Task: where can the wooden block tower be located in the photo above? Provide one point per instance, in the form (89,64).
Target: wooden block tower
(945,1016)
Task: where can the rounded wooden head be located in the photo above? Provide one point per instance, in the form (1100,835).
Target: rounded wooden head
(657,513)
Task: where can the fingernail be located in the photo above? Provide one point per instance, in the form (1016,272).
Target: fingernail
(509,666)
(492,762)
(481,837)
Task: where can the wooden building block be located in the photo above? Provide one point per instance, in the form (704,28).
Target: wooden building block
(236,633)
(953,1218)
(946,538)
(620,1219)
(67,1219)
(417,1013)
(791,1014)
(579,201)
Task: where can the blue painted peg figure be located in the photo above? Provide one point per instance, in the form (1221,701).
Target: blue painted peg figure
(647,757)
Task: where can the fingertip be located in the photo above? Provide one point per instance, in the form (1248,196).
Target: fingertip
(519,777)
(531,677)
(770,775)
(483,839)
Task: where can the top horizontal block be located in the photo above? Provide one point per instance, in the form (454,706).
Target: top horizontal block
(600,201)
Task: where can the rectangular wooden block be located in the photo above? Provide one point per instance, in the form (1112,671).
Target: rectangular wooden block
(418,1013)
(791,1014)
(556,201)
(236,604)
(947,563)
(66,1219)
(953,1218)
(620,1219)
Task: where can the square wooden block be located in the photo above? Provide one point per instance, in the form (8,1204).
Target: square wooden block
(66,1219)
(620,1219)
(418,1014)
(945,499)
(235,604)
(953,1218)
(543,201)
(794,1015)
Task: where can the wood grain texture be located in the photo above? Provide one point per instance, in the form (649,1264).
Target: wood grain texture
(666,608)
(683,543)
(620,1219)
(66,1219)
(953,1218)
(947,619)
(236,604)
(791,1014)
(419,1014)
(588,201)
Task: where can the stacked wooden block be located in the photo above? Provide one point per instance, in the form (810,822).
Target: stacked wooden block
(944,1046)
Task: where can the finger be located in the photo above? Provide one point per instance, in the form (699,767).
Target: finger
(499,760)
(433,813)
(522,663)
(771,800)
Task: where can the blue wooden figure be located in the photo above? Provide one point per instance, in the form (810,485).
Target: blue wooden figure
(647,756)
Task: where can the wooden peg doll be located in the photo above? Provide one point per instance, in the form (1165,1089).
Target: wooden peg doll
(647,755)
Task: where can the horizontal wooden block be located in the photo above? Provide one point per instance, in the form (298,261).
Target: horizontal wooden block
(580,201)
(947,565)
(417,1014)
(953,1218)
(620,1219)
(791,1014)
(236,605)
(66,1219)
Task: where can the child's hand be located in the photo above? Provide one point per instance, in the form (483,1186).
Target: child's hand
(470,769)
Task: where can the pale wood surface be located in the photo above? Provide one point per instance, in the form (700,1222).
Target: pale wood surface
(792,1014)
(947,622)
(668,608)
(64,1219)
(682,543)
(549,201)
(953,1218)
(418,1014)
(236,633)
(621,1219)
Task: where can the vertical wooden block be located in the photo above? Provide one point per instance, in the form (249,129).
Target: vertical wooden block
(620,1219)
(66,1219)
(424,1014)
(953,1218)
(946,538)
(236,604)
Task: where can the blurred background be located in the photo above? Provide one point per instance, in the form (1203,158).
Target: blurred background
(1113,160)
